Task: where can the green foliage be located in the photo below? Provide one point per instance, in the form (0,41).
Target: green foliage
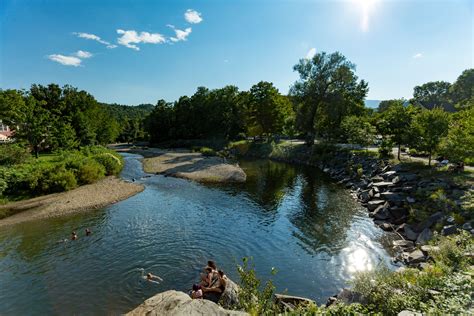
(112,164)
(11,154)
(57,173)
(205,151)
(251,298)
(385,148)
(442,288)
(326,92)
(90,171)
(358,130)
(432,95)
(458,145)
(428,128)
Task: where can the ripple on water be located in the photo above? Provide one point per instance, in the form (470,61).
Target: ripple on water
(286,217)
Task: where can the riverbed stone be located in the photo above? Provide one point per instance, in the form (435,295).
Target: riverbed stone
(381,212)
(403,243)
(179,303)
(449,230)
(372,205)
(413,257)
(409,232)
(429,249)
(348,296)
(424,237)
(409,313)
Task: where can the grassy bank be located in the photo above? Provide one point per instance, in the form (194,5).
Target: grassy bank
(22,176)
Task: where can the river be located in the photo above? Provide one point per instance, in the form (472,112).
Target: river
(292,218)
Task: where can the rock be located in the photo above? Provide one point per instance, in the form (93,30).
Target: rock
(372,205)
(450,220)
(409,233)
(396,180)
(392,197)
(467,226)
(424,237)
(434,218)
(428,249)
(389,174)
(385,226)
(377,179)
(382,184)
(364,196)
(381,212)
(410,200)
(179,303)
(413,257)
(230,297)
(398,214)
(409,313)
(449,230)
(347,296)
(403,243)
(410,177)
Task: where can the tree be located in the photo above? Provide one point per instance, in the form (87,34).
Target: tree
(358,130)
(459,143)
(326,91)
(395,122)
(433,94)
(159,122)
(267,109)
(462,91)
(428,128)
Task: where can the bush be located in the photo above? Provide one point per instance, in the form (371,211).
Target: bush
(205,151)
(12,154)
(56,179)
(385,149)
(90,171)
(112,164)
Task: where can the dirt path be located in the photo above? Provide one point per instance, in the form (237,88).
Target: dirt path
(92,196)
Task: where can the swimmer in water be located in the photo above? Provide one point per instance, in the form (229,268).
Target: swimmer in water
(88,232)
(73,236)
(151,277)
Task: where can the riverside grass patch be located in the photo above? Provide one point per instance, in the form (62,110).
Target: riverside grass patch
(57,172)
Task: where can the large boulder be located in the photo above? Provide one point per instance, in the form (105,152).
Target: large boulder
(179,303)
(230,297)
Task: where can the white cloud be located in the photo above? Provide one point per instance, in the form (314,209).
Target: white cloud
(130,37)
(94,38)
(83,54)
(418,55)
(192,16)
(180,34)
(65,60)
(310,54)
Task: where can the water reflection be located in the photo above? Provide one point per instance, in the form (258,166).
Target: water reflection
(286,217)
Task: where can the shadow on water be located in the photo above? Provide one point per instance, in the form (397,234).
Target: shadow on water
(285,216)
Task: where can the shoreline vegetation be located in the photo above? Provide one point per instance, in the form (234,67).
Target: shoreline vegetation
(84,198)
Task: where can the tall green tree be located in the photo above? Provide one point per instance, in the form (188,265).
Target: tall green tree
(428,128)
(358,130)
(433,94)
(458,145)
(267,109)
(326,91)
(462,90)
(395,122)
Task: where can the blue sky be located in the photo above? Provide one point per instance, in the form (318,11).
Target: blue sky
(162,52)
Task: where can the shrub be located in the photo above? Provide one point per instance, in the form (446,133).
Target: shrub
(90,171)
(57,179)
(206,151)
(385,149)
(112,164)
(11,154)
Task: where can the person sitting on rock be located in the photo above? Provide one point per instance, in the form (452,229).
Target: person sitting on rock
(197,292)
(215,290)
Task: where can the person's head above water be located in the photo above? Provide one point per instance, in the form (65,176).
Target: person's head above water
(88,232)
(73,235)
(212,264)
(149,276)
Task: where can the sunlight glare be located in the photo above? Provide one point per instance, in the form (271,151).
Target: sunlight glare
(367,7)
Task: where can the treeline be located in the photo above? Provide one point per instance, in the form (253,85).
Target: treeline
(326,103)
(50,118)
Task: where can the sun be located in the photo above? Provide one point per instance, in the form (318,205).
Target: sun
(367,8)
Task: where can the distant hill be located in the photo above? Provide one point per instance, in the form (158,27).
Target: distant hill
(372,104)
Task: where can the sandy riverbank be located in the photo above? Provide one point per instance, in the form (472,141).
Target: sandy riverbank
(92,196)
(189,165)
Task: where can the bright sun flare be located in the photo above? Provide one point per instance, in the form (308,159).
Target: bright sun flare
(367,7)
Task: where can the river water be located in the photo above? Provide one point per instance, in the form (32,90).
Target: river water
(288,217)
